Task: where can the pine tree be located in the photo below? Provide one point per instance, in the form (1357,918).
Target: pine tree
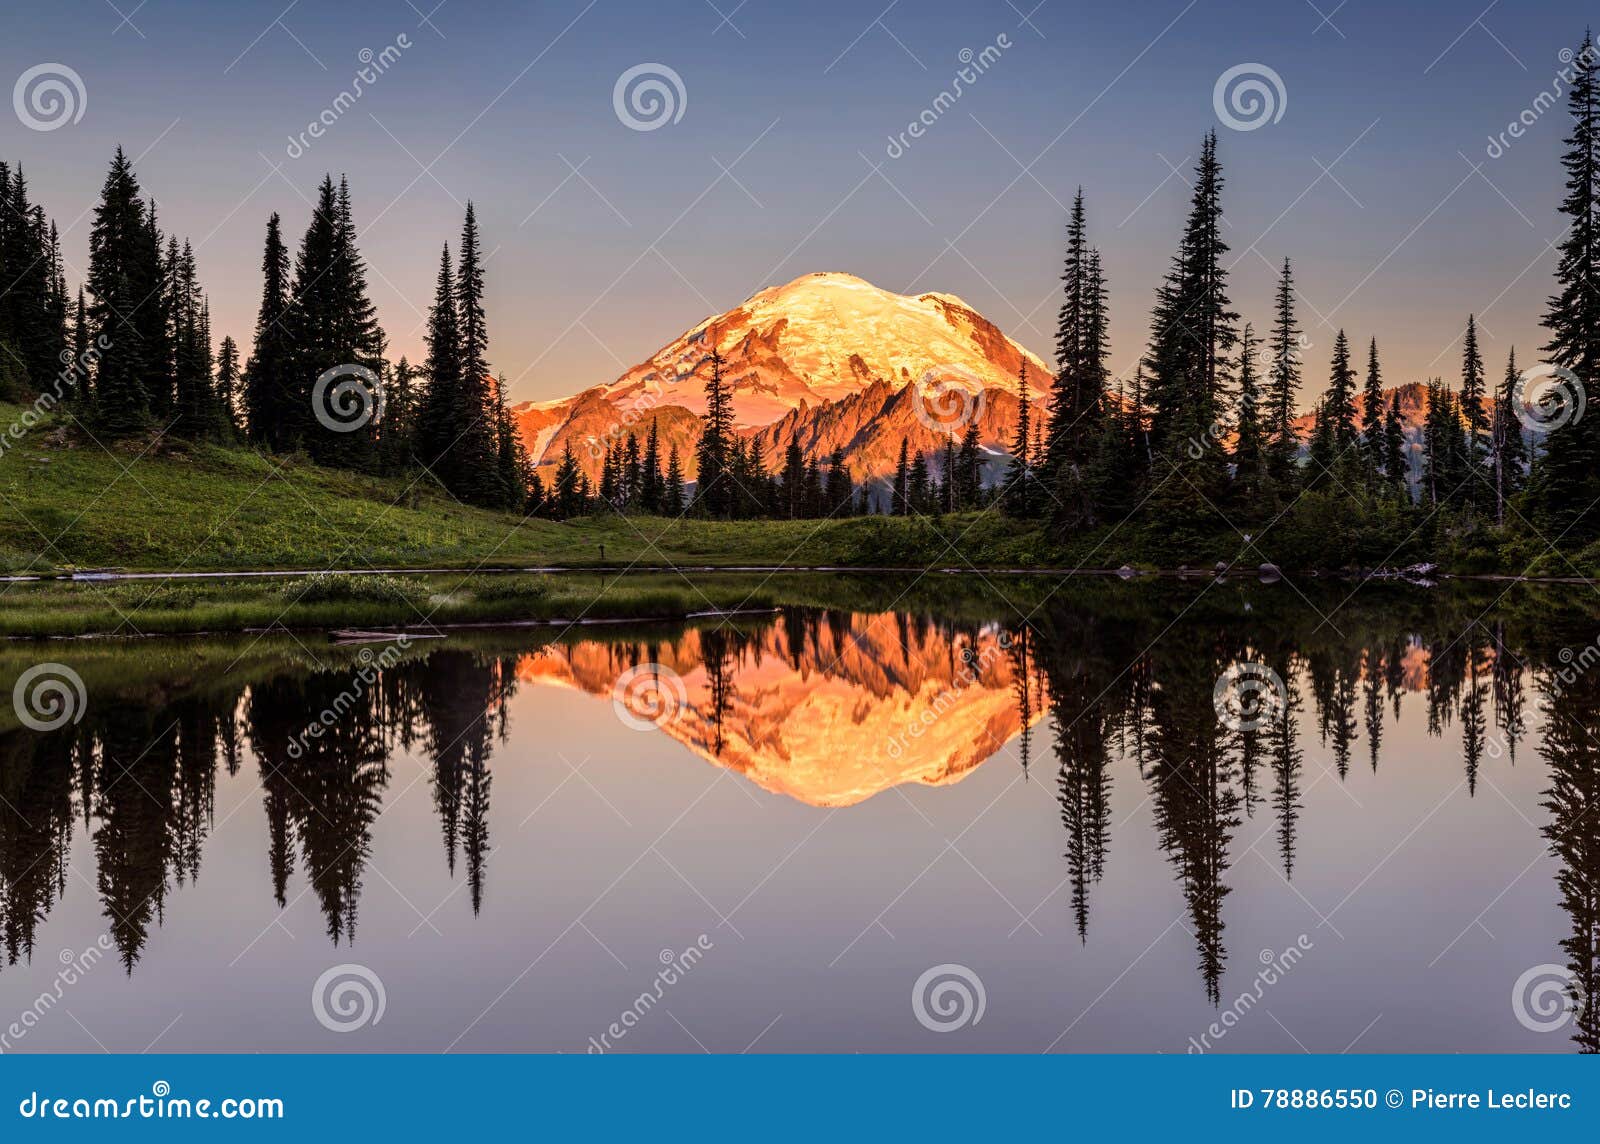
(402,406)
(81,374)
(672,490)
(900,505)
(919,489)
(650,480)
(1476,441)
(1339,406)
(969,470)
(474,454)
(794,480)
(714,490)
(570,491)
(511,455)
(1570,467)
(1373,410)
(1069,397)
(1193,328)
(1396,466)
(123,274)
(1018,496)
(1509,452)
(272,415)
(837,491)
(1284,382)
(442,421)
(1249,457)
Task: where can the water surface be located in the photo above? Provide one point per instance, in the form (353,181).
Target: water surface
(773,826)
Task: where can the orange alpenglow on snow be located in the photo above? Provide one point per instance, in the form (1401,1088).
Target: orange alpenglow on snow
(843,716)
(828,358)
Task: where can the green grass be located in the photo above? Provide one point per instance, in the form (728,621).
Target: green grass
(67,503)
(418,602)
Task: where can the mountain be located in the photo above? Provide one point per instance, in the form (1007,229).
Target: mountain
(825,714)
(828,357)
(1413,412)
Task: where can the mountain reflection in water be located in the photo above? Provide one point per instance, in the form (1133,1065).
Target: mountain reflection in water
(828,708)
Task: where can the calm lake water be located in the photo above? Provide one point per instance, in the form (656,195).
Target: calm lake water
(1100,817)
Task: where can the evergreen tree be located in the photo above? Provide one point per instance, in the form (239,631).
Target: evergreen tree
(229,383)
(442,421)
(511,455)
(837,491)
(672,489)
(919,489)
(1373,410)
(1570,467)
(650,481)
(1339,406)
(714,490)
(900,504)
(969,470)
(1018,496)
(272,413)
(124,272)
(1474,416)
(402,406)
(794,480)
(1285,377)
(1069,395)
(1509,452)
(1249,451)
(474,454)
(1193,328)
(1396,466)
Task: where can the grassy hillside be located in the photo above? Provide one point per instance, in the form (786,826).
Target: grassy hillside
(68,502)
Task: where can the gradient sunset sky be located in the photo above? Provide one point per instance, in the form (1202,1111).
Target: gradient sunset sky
(607,242)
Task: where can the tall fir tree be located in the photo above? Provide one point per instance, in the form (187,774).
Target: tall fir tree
(124,273)
(1396,463)
(1475,418)
(1339,405)
(1284,379)
(1018,498)
(714,491)
(442,419)
(1508,450)
(1372,411)
(1570,467)
(1249,451)
(271,414)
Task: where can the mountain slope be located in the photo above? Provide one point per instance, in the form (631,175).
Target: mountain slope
(825,357)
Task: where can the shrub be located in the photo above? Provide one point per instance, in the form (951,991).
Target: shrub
(329,588)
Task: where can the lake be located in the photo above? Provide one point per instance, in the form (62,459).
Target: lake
(944,814)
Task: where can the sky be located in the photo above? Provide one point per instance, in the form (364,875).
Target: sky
(780,155)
